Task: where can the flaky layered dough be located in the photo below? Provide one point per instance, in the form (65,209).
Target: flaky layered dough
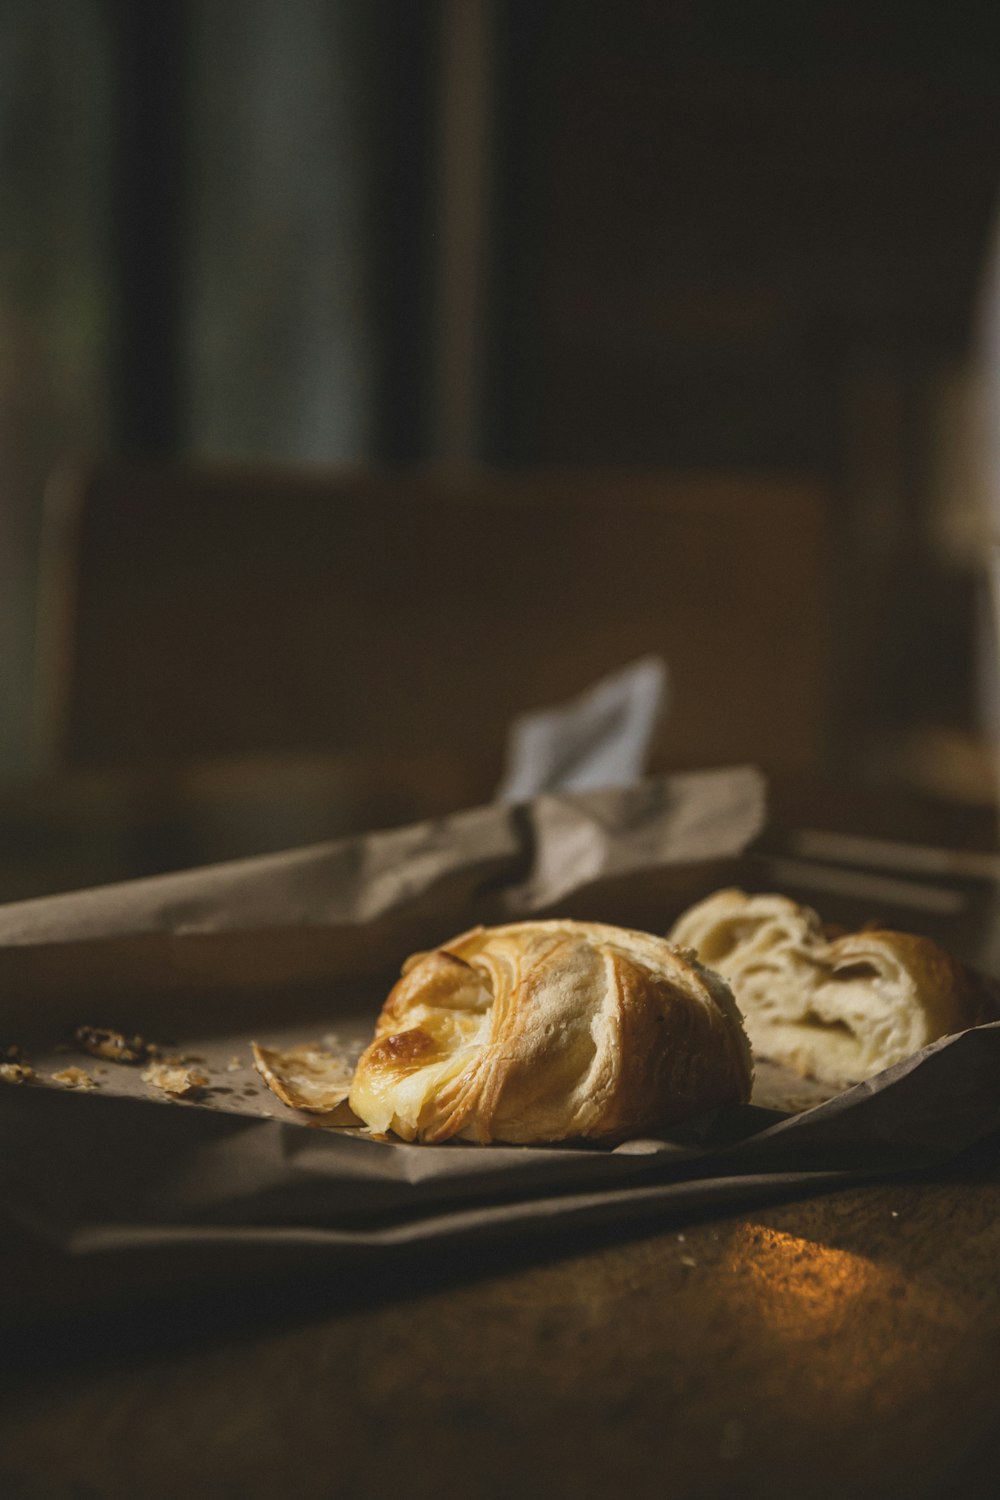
(837,1009)
(551,1031)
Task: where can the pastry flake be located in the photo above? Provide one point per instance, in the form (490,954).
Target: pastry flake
(309,1078)
(16,1072)
(101,1041)
(73,1078)
(175,1079)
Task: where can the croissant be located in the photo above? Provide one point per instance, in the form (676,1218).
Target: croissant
(839,1010)
(550,1031)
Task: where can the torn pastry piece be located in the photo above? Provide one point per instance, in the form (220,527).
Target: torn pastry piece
(837,1009)
(309,1077)
(551,1031)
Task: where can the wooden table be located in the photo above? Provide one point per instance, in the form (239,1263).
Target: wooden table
(842,1345)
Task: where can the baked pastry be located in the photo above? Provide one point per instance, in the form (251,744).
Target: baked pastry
(550,1031)
(838,1009)
(310,1077)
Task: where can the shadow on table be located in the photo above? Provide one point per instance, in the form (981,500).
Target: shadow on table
(123,1323)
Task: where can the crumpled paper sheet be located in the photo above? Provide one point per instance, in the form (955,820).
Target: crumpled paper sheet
(306,938)
(354,908)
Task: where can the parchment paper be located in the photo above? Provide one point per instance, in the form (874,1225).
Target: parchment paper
(300,946)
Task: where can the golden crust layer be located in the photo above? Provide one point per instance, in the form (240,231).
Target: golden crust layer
(308,1077)
(839,1009)
(551,1031)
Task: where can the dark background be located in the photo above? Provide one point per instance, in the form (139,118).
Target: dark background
(696,238)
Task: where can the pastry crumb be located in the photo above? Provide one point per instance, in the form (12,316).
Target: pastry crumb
(177,1081)
(16,1072)
(234,1065)
(74,1078)
(101,1041)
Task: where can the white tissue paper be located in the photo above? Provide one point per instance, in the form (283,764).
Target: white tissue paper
(602,738)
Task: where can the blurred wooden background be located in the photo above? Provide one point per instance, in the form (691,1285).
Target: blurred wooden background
(716,253)
(198,613)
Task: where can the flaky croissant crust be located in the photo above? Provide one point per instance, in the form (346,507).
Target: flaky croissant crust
(550,1031)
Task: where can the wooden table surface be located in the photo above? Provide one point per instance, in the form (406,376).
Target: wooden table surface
(840,1345)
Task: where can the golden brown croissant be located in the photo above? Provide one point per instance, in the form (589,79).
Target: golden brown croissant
(550,1031)
(838,1010)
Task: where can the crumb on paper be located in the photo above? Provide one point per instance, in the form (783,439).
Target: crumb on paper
(102,1041)
(16,1072)
(182,1059)
(688,1260)
(74,1078)
(14,1065)
(234,1065)
(178,1082)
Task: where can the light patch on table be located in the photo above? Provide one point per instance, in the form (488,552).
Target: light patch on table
(307,1077)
